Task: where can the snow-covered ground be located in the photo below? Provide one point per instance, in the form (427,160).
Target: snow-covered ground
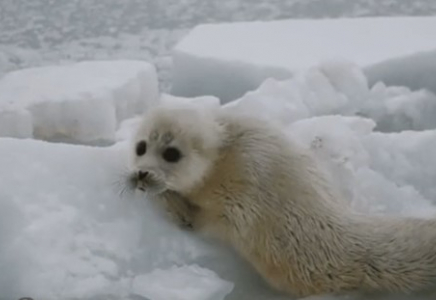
(227,60)
(341,88)
(80,102)
(41,32)
(68,230)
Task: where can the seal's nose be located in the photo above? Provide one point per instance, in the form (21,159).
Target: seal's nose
(142,175)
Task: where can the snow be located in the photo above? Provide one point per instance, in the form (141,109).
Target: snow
(227,60)
(82,102)
(183,283)
(68,230)
(381,173)
(415,71)
(339,87)
(16,123)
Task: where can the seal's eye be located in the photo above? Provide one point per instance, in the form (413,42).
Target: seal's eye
(172,154)
(141,148)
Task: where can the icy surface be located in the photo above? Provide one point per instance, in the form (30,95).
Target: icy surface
(339,87)
(182,283)
(379,173)
(15,122)
(227,60)
(49,22)
(82,102)
(415,71)
(72,233)
(70,230)
(65,232)
(45,32)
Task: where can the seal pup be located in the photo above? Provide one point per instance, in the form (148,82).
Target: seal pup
(244,182)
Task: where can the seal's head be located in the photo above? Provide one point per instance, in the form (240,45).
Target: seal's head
(174,148)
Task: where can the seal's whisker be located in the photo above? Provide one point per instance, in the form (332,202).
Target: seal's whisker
(124,183)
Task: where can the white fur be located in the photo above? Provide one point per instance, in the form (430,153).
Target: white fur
(245,182)
(195,132)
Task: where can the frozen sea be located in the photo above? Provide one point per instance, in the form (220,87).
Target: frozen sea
(66,229)
(41,32)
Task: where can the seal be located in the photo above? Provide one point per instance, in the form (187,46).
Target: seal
(244,182)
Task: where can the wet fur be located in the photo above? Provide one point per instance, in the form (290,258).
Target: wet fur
(267,197)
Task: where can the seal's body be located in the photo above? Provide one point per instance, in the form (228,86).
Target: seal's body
(255,189)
